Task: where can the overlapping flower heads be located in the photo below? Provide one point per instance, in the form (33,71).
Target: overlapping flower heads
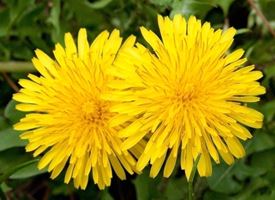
(97,108)
(187,96)
(67,118)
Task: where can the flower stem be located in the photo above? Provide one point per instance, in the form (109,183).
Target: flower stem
(16,66)
(190,190)
(191,180)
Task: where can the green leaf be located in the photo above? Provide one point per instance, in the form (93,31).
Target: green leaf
(222,179)
(269,72)
(268,109)
(12,157)
(267,7)
(54,19)
(61,189)
(211,195)
(98,4)
(13,160)
(22,52)
(142,185)
(5,188)
(243,171)
(5,21)
(39,43)
(29,25)
(11,113)
(264,159)
(86,15)
(10,138)
(192,7)
(249,191)
(28,171)
(15,169)
(105,195)
(224,4)
(243,31)
(4,51)
(261,141)
(145,186)
(262,53)
(162,2)
(3,123)
(18,7)
(176,189)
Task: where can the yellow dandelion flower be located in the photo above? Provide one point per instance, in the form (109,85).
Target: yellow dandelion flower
(67,119)
(188,95)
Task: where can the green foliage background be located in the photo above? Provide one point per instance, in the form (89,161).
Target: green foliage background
(29,24)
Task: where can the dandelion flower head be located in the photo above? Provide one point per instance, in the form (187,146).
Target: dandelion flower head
(188,96)
(67,121)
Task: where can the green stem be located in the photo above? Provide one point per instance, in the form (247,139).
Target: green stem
(190,190)
(191,180)
(16,66)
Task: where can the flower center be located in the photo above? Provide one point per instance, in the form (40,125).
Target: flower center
(185,94)
(95,112)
